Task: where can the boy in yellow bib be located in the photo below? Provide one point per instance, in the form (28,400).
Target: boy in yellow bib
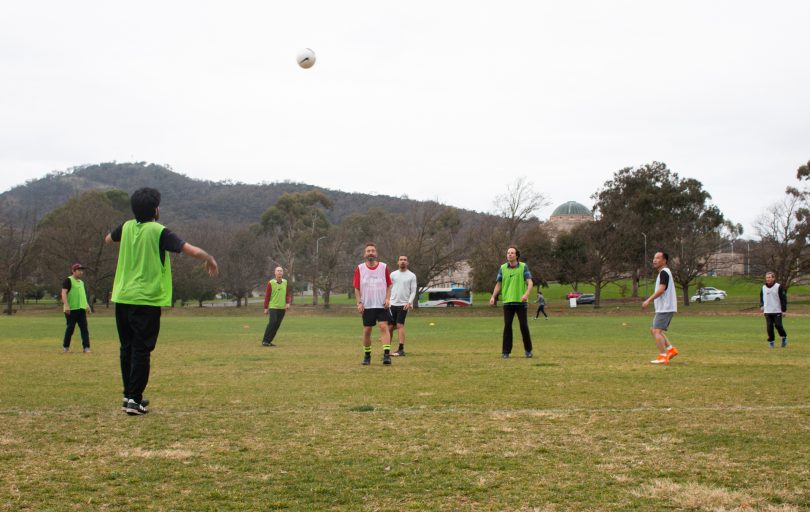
(74,304)
(143,284)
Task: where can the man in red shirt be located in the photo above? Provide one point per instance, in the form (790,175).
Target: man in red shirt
(372,291)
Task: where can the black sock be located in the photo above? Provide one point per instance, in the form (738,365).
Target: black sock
(401,348)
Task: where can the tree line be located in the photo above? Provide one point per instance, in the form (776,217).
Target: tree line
(637,212)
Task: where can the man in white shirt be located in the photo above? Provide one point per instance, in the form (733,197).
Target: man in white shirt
(773,301)
(403,293)
(666,305)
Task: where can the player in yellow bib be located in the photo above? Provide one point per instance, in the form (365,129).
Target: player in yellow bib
(277,300)
(143,284)
(514,283)
(75,306)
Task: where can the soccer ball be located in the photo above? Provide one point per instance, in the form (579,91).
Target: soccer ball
(306,58)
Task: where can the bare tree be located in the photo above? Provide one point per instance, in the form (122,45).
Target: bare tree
(17,235)
(243,263)
(429,234)
(75,232)
(783,241)
(191,280)
(488,244)
(518,205)
(336,260)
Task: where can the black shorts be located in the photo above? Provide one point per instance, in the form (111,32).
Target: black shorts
(398,314)
(374,315)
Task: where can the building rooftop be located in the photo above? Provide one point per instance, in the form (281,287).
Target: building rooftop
(571,208)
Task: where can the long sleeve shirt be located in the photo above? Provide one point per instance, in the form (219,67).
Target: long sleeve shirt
(268,292)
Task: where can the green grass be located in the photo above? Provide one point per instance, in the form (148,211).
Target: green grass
(586,425)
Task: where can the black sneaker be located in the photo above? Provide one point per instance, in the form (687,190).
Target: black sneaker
(367,359)
(265,344)
(135,409)
(386,358)
(400,353)
(144,402)
(505,355)
(529,353)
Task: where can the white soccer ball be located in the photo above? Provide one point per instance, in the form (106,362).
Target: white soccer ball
(306,58)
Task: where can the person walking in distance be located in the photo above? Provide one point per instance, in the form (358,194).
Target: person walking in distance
(541,305)
(277,300)
(514,283)
(75,305)
(666,305)
(773,302)
(403,293)
(142,285)
(372,291)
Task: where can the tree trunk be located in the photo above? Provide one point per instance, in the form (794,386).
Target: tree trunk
(9,299)
(685,288)
(597,294)
(636,280)
(326,294)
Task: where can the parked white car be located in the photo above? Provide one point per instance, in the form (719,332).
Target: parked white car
(711,289)
(708,294)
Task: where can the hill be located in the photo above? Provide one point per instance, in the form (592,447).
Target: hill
(187,199)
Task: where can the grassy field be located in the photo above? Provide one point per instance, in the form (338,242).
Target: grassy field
(587,424)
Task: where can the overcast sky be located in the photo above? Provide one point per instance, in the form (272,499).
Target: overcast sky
(447,100)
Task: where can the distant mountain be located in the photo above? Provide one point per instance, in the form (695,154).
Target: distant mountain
(187,199)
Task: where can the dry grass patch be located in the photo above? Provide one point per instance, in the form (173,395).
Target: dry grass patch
(695,496)
(157,454)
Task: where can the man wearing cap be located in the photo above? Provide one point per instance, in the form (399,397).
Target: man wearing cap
(75,306)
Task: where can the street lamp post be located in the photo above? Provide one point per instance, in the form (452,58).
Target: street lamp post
(748,258)
(315,280)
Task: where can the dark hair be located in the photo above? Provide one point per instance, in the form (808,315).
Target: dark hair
(144,203)
(370,244)
(517,251)
(665,255)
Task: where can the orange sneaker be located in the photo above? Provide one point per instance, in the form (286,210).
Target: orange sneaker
(672,352)
(661,359)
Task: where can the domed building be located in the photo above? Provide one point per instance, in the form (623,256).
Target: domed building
(569,215)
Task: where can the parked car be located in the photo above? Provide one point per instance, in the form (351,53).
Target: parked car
(705,296)
(711,289)
(573,295)
(586,298)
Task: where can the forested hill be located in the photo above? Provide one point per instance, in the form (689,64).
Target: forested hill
(187,199)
